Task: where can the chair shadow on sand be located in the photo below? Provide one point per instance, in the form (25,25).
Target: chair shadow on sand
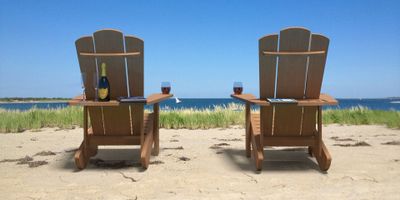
(290,159)
(106,158)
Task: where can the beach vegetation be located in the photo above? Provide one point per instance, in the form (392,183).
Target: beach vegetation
(13,121)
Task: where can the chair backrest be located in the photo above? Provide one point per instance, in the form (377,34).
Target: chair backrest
(291,66)
(125,75)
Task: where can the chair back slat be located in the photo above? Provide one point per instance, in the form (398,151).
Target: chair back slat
(291,80)
(116,119)
(287,120)
(88,68)
(267,65)
(309,125)
(87,64)
(316,66)
(292,69)
(111,41)
(135,66)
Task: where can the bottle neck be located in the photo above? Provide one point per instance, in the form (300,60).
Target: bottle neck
(103,70)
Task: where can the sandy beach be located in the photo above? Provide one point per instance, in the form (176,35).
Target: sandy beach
(201,164)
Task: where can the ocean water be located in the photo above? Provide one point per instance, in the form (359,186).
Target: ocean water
(375,104)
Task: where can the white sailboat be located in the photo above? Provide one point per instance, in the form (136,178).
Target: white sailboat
(177,100)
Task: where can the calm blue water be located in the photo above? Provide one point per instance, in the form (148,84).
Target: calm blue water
(375,104)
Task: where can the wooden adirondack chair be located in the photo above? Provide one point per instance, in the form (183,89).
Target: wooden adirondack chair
(291,66)
(115,123)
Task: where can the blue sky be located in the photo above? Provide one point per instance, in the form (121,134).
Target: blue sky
(200,46)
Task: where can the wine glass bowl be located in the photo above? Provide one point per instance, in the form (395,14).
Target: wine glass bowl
(165,87)
(237,87)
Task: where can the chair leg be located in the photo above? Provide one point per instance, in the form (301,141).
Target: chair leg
(310,151)
(146,150)
(156,148)
(320,151)
(248,130)
(257,150)
(81,157)
(324,159)
(248,145)
(92,150)
(156,115)
(85,151)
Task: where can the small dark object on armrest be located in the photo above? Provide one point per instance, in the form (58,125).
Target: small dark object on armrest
(137,99)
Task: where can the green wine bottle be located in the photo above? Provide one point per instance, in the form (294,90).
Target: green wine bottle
(104,85)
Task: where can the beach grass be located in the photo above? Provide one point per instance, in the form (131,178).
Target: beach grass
(217,117)
(12,121)
(361,115)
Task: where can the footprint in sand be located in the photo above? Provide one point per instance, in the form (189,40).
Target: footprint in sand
(219,145)
(341,139)
(156,162)
(27,160)
(173,148)
(357,144)
(45,153)
(391,143)
(183,158)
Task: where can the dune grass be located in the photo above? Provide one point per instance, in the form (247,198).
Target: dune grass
(17,121)
(218,117)
(360,115)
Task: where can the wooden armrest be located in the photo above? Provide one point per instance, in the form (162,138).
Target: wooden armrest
(249,98)
(152,99)
(91,103)
(157,98)
(323,100)
(76,100)
(79,97)
(328,99)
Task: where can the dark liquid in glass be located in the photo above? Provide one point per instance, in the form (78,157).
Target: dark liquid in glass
(238,90)
(165,90)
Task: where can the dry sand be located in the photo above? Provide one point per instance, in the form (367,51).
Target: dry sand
(200,172)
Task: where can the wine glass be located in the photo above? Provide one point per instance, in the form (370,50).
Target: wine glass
(165,87)
(237,87)
(83,80)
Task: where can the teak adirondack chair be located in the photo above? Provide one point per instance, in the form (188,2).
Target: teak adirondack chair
(291,65)
(114,123)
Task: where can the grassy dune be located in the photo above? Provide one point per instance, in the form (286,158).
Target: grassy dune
(219,117)
(17,121)
(360,115)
